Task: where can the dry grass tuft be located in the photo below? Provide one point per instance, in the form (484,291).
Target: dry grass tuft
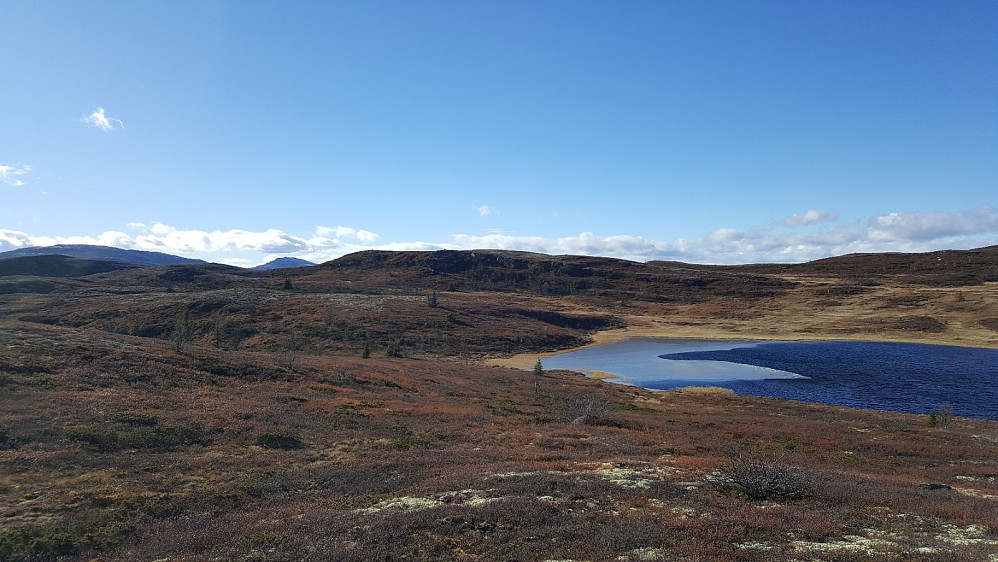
(705,390)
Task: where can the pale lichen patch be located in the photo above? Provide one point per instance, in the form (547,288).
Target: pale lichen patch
(967,478)
(524,474)
(404,503)
(966,536)
(623,477)
(683,512)
(472,498)
(646,553)
(631,478)
(975,493)
(754,546)
(851,543)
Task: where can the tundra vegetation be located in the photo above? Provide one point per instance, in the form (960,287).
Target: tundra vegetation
(118,444)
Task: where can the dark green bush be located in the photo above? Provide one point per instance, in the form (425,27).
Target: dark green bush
(131,418)
(103,439)
(9,442)
(164,438)
(280,441)
(36,543)
(405,439)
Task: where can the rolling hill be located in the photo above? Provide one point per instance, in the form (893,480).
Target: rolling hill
(100,253)
(283,263)
(56,266)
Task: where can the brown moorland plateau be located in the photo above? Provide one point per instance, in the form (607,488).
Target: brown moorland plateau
(204,412)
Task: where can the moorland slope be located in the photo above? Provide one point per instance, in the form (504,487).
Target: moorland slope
(198,411)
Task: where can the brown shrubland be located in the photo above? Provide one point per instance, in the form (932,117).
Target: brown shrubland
(114,446)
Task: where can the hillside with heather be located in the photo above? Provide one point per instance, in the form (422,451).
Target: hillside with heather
(360,409)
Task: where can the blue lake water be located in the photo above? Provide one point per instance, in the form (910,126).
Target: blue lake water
(902,377)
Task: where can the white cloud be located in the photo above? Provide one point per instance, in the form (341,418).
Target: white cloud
(167,238)
(486,211)
(116,239)
(810,217)
(243,262)
(161,229)
(98,120)
(334,231)
(724,235)
(13,239)
(898,232)
(366,236)
(910,232)
(346,232)
(10,175)
(932,226)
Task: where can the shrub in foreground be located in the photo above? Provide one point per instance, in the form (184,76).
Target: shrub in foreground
(762,479)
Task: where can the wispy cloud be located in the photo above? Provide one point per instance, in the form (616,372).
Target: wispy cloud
(810,217)
(98,120)
(898,232)
(894,232)
(164,238)
(485,211)
(11,175)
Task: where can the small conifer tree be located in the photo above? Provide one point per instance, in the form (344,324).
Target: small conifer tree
(395,348)
(538,373)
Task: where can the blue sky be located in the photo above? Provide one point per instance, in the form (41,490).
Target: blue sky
(703,131)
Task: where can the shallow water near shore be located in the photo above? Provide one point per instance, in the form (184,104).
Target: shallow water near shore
(636,361)
(902,377)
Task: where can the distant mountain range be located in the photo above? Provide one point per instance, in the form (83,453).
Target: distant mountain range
(100,253)
(71,268)
(282,263)
(977,265)
(57,266)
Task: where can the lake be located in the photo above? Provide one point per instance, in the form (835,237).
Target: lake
(902,377)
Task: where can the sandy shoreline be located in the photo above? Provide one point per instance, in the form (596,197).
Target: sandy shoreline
(644,327)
